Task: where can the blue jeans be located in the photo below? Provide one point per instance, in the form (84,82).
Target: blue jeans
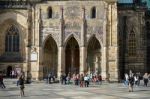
(126,82)
(17,82)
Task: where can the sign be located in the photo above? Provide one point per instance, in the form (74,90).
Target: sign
(34,56)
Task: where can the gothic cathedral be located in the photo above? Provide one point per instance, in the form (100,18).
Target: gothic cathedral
(106,37)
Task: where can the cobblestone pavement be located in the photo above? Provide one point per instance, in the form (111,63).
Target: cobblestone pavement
(41,90)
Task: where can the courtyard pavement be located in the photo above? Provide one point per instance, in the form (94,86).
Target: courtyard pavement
(41,90)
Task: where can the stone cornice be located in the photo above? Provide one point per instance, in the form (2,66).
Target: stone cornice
(110,1)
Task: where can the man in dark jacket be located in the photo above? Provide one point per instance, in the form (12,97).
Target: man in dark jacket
(1,81)
(131,83)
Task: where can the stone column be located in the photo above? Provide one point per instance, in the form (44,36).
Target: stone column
(40,77)
(113,43)
(72,68)
(104,63)
(83,49)
(83,58)
(61,61)
(61,51)
(96,64)
(28,48)
(36,65)
(104,50)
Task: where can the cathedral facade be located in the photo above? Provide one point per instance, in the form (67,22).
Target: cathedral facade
(61,37)
(133,37)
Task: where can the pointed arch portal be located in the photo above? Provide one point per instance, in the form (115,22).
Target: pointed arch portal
(72,56)
(50,57)
(94,56)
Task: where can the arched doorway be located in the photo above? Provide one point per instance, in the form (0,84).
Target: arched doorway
(9,69)
(72,57)
(94,56)
(50,60)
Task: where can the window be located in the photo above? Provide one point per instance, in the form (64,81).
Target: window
(12,40)
(50,12)
(93,12)
(132,44)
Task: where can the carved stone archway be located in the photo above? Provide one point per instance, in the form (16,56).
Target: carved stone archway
(50,57)
(94,56)
(72,56)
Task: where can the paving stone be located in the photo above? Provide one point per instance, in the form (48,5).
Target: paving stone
(57,91)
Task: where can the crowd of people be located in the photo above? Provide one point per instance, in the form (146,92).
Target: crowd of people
(81,79)
(134,79)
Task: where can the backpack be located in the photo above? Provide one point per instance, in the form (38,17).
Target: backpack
(21,81)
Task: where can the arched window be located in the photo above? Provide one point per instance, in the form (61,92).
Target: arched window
(93,12)
(12,40)
(132,44)
(50,12)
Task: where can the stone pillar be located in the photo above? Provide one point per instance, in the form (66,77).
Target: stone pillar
(34,70)
(72,60)
(61,51)
(97,65)
(83,58)
(28,49)
(40,77)
(35,66)
(61,61)
(83,49)
(113,43)
(104,50)
(104,63)
(36,62)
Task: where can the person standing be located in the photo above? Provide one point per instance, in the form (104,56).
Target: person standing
(145,78)
(61,79)
(68,78)
(100,79)
(81,80)
(136,80)
(131,83)
(1,81)
(49,78)
(86,80)
(126,79)
(21,83)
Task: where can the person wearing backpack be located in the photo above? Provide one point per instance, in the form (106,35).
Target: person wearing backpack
(21,83)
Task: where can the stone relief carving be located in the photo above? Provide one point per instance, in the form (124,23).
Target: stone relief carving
(74,34)
(96,30)
(55,36)
(72,25)
(70,32)
(53,30)
(50,26)
(56,15)
(72,12)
